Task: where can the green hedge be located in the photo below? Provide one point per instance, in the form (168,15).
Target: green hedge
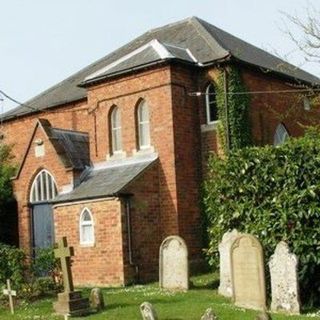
(273,193)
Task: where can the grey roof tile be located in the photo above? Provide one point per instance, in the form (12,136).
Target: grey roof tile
(206,42)
(108,181)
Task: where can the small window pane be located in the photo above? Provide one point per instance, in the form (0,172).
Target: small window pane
(116,130)
(143,125)
(86,228)
(211,104)
(281,135)
(43,187)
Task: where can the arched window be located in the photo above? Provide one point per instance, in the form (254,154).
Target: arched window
(86,227)
(43,187)
(211,104)
(116,130)
(143,125)
(281,135)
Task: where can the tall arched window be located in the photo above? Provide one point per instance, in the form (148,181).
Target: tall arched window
(143,125)
(116,130)
(211,104)
(43,187)
(281,135)
(86,227)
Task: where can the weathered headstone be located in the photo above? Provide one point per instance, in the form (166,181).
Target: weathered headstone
(10,293)
(174,268)
(96,299)
(284,280)
(209,315)
(225,287)
(248,280)
(69,302)
(148,312)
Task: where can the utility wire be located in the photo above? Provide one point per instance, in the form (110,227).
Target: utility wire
(199,93)
(16,101)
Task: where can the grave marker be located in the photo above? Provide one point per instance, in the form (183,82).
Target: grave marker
(225,286)
(148,312)
(284,280)
(10,293)
(174,269)
(248,278)
(69,302)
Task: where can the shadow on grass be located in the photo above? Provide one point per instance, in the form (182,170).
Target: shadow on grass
(210,285)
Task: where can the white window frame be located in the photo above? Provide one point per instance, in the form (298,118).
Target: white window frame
(42,183)
(143,126)
(209,103)
(281,135)
(86,223)
(116,132)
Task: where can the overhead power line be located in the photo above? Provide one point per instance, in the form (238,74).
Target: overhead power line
(199,93)
(16,101)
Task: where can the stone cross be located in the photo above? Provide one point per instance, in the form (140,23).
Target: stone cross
(63,252)
(10,293)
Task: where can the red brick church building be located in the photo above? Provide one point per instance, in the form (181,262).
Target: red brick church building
(113,156)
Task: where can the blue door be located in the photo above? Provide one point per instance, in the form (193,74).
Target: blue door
(42,223)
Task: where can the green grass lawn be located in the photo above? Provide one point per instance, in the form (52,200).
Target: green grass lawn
(123,303)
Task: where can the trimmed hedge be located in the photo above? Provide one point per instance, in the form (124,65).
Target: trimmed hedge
(274,194)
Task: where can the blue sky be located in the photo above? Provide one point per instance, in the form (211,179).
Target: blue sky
(43,41)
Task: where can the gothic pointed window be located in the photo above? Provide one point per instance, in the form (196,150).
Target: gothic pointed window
(116,130)
(86,228)
(211,104)
(43,188)
(143,125)
(281,135)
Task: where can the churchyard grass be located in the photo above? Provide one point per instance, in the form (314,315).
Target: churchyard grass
(123,303)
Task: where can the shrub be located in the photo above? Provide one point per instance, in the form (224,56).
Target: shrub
(273,193)
(12,265)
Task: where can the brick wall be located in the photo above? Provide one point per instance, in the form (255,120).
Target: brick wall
(22,185)
(103,263)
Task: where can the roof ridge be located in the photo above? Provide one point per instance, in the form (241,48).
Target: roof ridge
(204,33)
(169,25)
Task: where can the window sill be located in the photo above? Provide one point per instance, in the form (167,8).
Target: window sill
(116,156)
(210,126)
(143,151)
(87,245)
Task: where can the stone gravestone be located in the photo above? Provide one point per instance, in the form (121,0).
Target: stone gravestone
(225,287)
(96,299)
(284,280)
(69,302)
(209,315)
(148,312)
(248,280)
(174,269)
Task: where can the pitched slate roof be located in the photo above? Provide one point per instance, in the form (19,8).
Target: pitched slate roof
(206,43)
(110,180)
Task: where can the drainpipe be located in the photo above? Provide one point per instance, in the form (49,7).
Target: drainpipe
(129,228)
(225,76)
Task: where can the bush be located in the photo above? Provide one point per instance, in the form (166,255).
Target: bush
(12,265)
(273,193)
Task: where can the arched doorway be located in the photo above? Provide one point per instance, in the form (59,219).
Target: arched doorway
(43,190)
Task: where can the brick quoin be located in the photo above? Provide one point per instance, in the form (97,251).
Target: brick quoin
(164,200)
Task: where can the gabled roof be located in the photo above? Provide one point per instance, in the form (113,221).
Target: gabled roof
(206,43)
(72,147)
(109,180)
